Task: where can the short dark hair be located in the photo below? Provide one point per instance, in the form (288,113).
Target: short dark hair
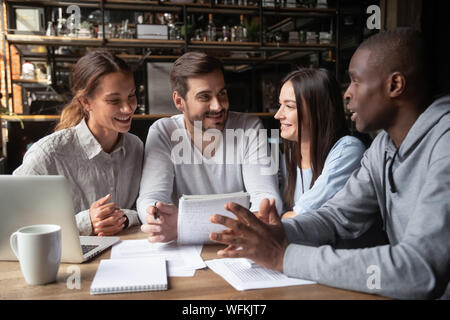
(189,65)
(401,50)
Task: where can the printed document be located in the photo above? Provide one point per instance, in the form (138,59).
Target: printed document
(182,260)
(245,275)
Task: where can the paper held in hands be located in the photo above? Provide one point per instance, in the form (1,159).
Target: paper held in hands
(194,212)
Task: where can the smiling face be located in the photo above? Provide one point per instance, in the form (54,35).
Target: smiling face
(367,94)
(112,105)
(287,114)
(206,101)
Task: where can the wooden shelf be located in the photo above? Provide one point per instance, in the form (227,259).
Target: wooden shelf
(300,11)
(235,45)
(31,83)
(226,43)
(53,40)
(139,43)
(133,1)
(29,117)
(18,80)
(56,3)
(295,46)
(142,6)
(160,43)
(91,42)
(135,117)
(135,57)
(224,9)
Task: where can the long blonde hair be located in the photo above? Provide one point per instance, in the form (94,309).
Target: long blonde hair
(86,76)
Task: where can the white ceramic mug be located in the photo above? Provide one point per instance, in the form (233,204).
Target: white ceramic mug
(38,249)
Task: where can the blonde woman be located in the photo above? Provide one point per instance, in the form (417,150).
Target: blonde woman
(92,148)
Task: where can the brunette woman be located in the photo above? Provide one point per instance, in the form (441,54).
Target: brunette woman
(320,155)
(92,148)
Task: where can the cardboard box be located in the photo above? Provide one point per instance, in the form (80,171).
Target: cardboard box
(152,31)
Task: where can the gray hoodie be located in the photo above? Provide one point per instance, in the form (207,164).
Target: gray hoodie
(410,189)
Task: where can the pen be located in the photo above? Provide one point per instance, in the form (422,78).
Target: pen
(155,212)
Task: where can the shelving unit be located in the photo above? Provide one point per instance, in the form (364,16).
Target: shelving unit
(135,117)
(261,52)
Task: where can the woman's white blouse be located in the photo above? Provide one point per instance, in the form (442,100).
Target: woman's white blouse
(91,172)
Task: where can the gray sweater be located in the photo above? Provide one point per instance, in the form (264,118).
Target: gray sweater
(165,178)
(410,189)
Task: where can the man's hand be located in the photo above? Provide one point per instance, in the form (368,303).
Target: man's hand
(288,214)
(107,218)
(260,238)
(164,227)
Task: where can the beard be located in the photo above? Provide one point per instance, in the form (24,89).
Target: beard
(207,119)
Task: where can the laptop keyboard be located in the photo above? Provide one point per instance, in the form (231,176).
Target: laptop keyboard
(86,248)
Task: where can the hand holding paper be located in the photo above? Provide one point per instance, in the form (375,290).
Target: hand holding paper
(194,225)
(253,238)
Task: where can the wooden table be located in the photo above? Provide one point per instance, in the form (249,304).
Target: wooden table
(205,285)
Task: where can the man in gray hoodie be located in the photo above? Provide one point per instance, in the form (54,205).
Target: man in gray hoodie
(404,177)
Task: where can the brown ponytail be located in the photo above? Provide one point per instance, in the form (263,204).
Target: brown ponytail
(71,115)
(86,76)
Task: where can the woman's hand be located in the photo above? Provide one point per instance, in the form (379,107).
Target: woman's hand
(107,218)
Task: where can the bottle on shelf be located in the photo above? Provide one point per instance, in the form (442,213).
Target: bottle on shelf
(233,33)
(241,33)
(61,27)
(187,30)
(211,30)
(50,29)
(226,33)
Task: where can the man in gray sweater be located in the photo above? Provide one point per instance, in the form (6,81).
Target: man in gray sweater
(404,177)
(205,150)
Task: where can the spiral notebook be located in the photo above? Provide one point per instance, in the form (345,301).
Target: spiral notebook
(130,275)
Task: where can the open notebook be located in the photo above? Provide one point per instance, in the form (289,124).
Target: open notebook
(243,274)
(194,212)
(130,275)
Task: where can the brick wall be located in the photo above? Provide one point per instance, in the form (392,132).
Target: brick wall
(15,63)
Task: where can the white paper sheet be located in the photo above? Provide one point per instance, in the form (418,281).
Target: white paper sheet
(130,275)
(182,260)
(194,225)
(243,275)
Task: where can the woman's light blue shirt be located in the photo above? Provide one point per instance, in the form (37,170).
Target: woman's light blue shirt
(342,160)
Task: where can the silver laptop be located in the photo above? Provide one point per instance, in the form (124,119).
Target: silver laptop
(29,200)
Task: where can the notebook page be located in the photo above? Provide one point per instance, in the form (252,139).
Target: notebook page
(130,275)
(232,195)
(238,273)
(194,226)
